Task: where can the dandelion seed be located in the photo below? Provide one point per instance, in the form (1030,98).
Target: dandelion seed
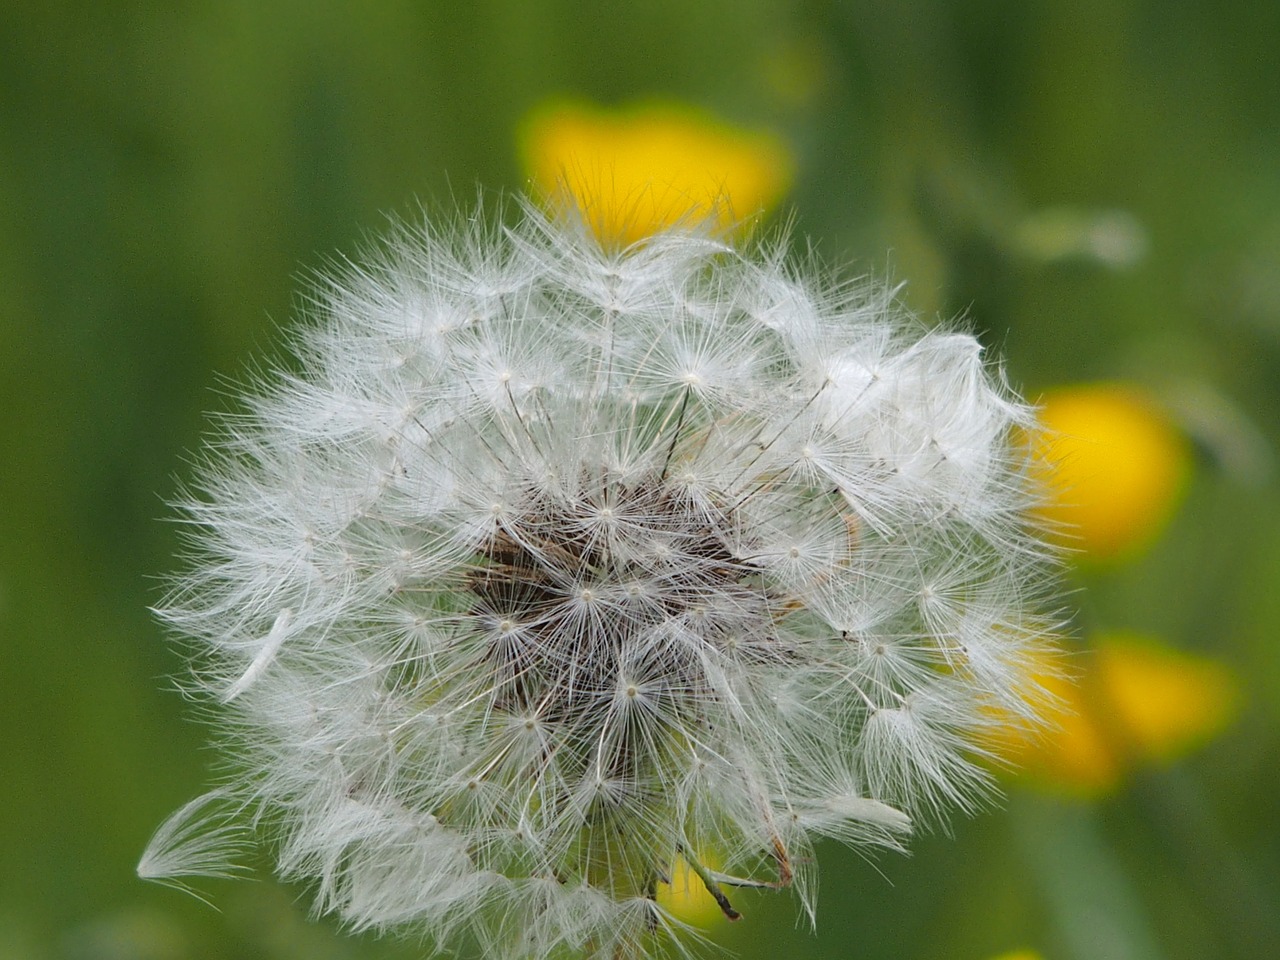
(203,838)
(560,570)
(270,647)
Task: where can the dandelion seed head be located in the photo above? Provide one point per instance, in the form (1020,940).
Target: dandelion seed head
(557,567)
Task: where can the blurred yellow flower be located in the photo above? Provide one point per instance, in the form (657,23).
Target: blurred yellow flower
(1019,955)
(1163,703)
(1116,467)
(1074,753)
(1137,701)
(687,897)
(633,172)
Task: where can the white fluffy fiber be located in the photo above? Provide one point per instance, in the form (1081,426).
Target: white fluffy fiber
(552,563)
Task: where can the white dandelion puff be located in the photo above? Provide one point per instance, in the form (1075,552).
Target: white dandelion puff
(553,568)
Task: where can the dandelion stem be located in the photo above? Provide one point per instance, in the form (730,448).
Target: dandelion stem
(710,883)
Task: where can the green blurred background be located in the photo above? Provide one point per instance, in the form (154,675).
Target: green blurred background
(169,172)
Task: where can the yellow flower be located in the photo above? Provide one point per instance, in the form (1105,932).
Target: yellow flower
(1137,701)
(1116,467)
(1074,754)
(1162,703)
(635,171)
(687,897)
(1019,955)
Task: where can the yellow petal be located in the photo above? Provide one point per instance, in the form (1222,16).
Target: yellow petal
(1115,464)
(636,171)
(1019,955)
(1162,703)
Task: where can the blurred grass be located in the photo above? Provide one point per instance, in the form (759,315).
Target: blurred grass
(168,172)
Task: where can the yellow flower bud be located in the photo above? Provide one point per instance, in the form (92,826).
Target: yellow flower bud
(637,171)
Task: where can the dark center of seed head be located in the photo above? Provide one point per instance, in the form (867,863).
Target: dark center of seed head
(592,598)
